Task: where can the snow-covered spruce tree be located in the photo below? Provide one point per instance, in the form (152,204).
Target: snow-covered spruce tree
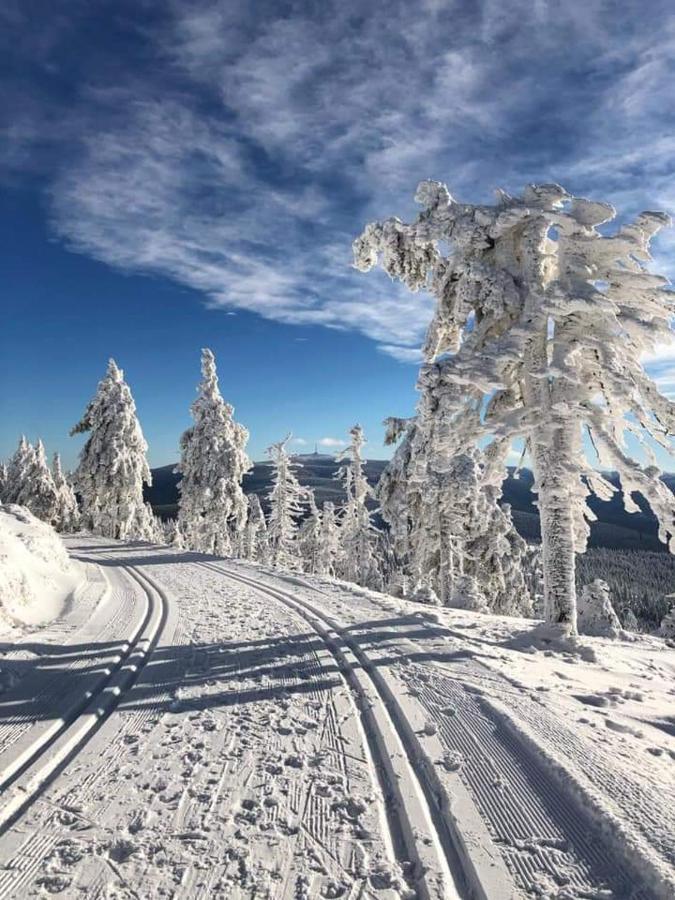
(113,467)
(20,465)
(329,541)
(285,507)
(357,559)
(172,534)
(67,513)
(667,629)
(309,535)
(212,507)
(3,481)
(545,321)
(156,531)
(596,614)
(446,524)
(255,544)
(38,492)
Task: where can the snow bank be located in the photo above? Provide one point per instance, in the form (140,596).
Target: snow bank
(36,574)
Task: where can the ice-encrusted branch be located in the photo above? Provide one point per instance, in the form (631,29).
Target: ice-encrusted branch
(540,328)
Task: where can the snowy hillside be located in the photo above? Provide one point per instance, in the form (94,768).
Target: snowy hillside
(36,574)
(232,732)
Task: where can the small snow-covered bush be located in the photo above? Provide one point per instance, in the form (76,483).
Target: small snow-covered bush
(595,611)
(639,580)
(668,624)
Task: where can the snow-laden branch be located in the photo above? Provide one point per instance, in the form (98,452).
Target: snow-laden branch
(540,327)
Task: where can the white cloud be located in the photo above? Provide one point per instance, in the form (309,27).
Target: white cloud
(299,440)
(402,354)
(330,442)
(247,157)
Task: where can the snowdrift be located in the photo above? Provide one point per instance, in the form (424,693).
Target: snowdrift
(36,574)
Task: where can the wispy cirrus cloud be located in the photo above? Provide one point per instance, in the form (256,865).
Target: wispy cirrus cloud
(239,149)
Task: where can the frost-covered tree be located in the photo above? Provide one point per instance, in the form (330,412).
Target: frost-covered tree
(446,524)
(212,506)
(67,513)
(667,629)
(255,544)
(357,560)
(3,481)
(113,467)
(172,534)
(596,614)
(309,535)
(156,531)
(539,331)
(329,541)
(20,465)
(286,501)
(38,492)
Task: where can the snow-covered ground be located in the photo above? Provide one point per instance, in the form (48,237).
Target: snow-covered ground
(37,577)
(194,727)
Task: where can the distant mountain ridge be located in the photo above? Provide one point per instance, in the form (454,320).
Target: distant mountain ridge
(615,527)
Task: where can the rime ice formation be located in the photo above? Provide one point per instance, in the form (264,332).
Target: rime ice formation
(29,482)
(113,467)
(67,516)
(309,535)
(446,524)
(357,560)
(212,508)
(255,544)
(540,326)
(329,541)
(19,468)
(286,503)
(37,491)
(668,624)
(596,614)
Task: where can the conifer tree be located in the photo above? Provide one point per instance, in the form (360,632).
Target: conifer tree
(113,466)
(667,629)
(67,512)
(309,535)
(596,612)
(37,491)
(212,507)
(357,559)
(3,481)
(540,328)
(20,465)
(172,534)
(255,544)
(286,505)
(329,541)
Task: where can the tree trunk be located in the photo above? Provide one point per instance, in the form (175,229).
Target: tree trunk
(552,448)
(551,466)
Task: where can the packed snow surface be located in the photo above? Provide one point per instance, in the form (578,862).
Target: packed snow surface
(36,574)
(246,734)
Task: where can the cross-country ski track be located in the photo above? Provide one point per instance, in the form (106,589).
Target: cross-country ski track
(207,728)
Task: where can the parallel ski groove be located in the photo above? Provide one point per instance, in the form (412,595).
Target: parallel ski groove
(504,782)
(81,722)
(401,827)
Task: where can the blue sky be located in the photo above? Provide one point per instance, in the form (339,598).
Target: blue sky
(165,165)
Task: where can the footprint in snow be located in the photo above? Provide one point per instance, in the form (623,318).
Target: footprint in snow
(452,761)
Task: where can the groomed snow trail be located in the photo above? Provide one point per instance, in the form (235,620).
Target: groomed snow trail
(253,735)
(235,766)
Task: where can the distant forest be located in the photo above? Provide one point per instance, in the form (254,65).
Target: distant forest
(624,548)
(614,529)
